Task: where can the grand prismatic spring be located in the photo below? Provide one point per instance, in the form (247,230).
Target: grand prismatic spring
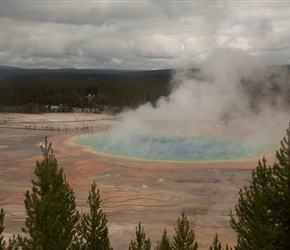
(170,147)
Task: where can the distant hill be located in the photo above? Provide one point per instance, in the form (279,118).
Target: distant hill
(7,67)
(6,71)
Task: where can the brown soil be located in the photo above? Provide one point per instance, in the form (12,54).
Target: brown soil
(154,193)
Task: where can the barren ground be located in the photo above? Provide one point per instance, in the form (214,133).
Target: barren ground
(154,193)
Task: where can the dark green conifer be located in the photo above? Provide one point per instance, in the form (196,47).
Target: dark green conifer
(13,243)
(262,215)
(94,232)
(252,217)
(2,241)
(280,185)
(50,206)
(164,244)
(140,243)
(216,245)
(185,237)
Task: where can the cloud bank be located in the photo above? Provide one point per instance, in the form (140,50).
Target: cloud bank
(139,34)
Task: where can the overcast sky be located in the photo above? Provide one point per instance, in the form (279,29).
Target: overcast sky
(139,34)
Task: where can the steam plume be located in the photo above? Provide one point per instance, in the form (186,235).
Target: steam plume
(232,95)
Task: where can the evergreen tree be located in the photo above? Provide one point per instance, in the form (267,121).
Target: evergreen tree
(262,215)
(164,243)
(2,241)
(94,231)
(50,207)
(13,243)
(140,243)
(185,237)
(252,218)
(216,245)
(281,194)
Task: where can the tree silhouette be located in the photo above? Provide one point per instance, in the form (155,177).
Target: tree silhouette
(185,237)
(140,243)
(94,231)
(262,214)
(50,206)
(164,244)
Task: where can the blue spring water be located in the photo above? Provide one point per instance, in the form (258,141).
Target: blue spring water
(179,148)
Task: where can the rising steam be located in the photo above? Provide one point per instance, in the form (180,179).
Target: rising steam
(231,87)
(232,96)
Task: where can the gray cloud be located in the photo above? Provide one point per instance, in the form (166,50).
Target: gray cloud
(139,34)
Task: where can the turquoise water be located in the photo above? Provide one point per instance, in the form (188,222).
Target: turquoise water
(180,148)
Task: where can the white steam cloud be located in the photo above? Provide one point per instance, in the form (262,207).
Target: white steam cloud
(233,96)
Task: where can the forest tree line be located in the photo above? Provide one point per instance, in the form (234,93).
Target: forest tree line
(36,91)
(119,90)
